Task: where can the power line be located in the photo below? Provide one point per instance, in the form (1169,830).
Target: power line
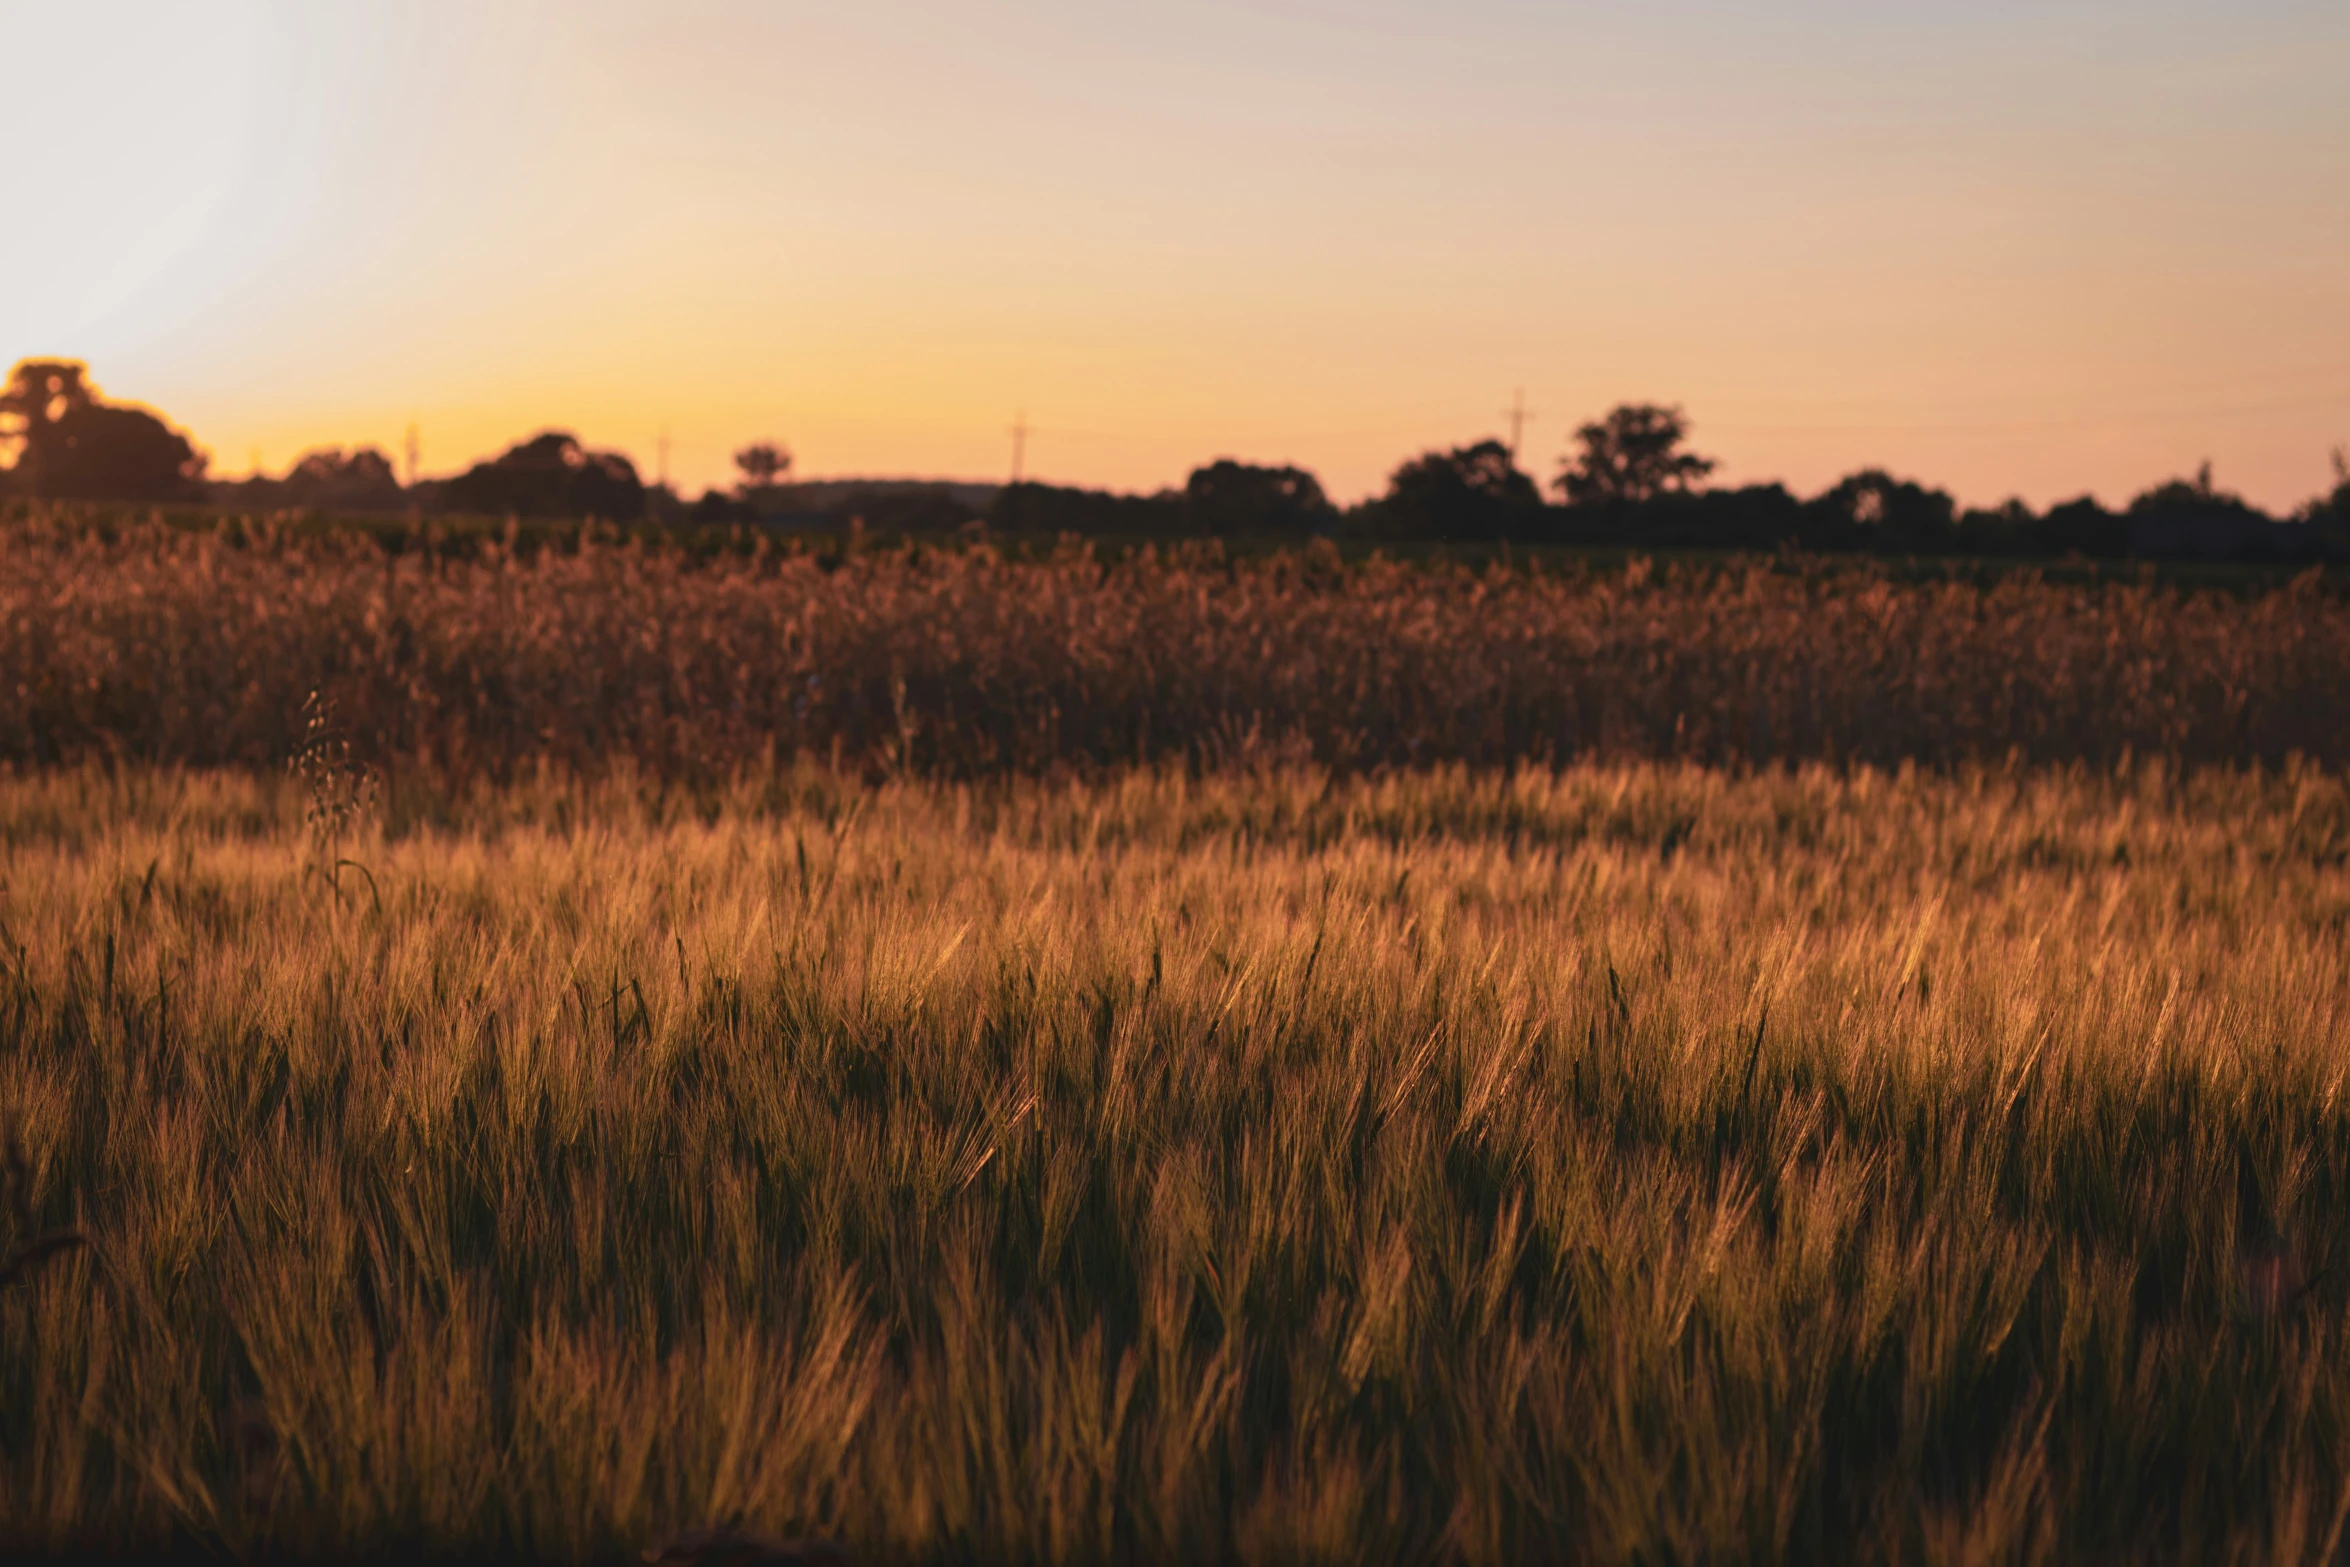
(1517,414)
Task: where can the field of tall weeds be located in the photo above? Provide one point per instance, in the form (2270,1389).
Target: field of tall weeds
(1633,1162)
(199,648)
(518,1048)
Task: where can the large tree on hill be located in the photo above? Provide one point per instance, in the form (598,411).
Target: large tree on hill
(1632,455)
(69,444)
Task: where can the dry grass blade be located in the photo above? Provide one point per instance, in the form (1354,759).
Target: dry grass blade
(27,1251)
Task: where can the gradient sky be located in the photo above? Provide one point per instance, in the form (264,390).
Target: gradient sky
(2012,248)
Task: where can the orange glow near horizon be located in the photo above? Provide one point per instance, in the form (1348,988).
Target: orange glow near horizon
(2007,249)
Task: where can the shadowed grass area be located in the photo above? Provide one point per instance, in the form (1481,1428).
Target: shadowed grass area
(199,649)
(1615,1164)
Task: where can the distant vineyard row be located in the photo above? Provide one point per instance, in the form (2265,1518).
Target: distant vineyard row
(201,648)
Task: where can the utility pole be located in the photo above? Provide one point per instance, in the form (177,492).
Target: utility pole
(415,448)
(1517,414)
(664,449)
(1019,442)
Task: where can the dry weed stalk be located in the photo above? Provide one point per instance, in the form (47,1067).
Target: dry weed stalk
(338,793)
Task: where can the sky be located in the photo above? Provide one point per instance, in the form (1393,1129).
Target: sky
(2010,247)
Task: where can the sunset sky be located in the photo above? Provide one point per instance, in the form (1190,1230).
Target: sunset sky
(2032,247)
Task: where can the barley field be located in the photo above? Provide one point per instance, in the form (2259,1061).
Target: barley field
(1613,1161)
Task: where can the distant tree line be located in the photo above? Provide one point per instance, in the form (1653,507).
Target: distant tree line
(1629,479)
(1631,482)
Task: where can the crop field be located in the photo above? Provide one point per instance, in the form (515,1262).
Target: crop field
(464,657)
(521,1051)
(1630,1162)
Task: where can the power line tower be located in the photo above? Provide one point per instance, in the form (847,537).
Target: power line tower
(1517,414)
(664,450)
(415,449)
(1019,443)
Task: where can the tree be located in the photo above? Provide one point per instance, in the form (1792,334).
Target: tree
(2329,515)
(2082,526)
(2196,519)
(1033,508)
(1240,499)
(1469,492)
(2009,528)
(331,479)
(2196,504)
(550,475)
(71,445)
(1631,456)
(39,393)
(764,465)
(1872,510)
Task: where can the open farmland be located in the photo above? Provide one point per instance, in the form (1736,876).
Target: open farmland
(985,1059)
(1615,1163)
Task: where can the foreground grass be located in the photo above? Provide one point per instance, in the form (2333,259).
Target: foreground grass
(1635,1164)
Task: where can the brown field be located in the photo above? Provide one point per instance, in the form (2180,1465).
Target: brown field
(1622,1163)
(1057,1061)
(200,648)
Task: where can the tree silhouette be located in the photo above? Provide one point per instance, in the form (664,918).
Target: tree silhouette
(70,445)
(1873,510)
(550,475)
(2195,518)
(1240,499)
(1469,492)
(764,464)
(38,394)
(2082,526)
(331,479)
(2193,498)
(1632,455)
(2330,513)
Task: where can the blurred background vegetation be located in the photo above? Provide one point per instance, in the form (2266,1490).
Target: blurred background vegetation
(1628,479)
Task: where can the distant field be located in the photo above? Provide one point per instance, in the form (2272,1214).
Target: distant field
(1617,1163)
(200,647)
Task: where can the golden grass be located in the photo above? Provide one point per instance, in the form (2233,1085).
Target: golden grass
(1621,1163)
(200,648)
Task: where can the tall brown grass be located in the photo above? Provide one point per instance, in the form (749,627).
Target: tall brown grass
(199,649)
(1628,1163)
